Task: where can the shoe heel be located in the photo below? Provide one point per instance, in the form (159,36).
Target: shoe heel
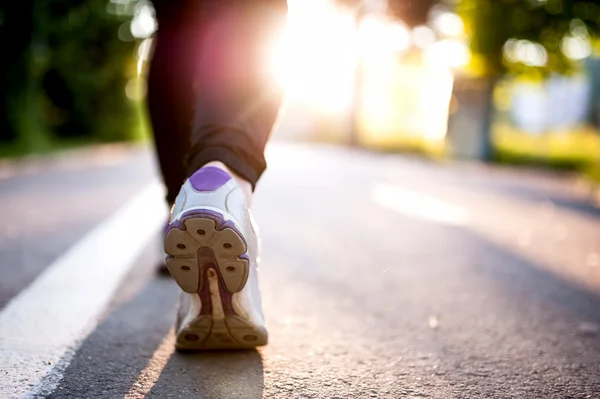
(207,256)
(232,332)
(203,239)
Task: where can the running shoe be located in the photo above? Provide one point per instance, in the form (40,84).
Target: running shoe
(211,248)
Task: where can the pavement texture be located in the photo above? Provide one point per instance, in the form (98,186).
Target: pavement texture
(366,294)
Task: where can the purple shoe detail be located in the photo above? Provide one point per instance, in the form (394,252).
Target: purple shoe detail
(175,225)
(166,229)
(206,260)
(220,222)
(226,298)
(209,179)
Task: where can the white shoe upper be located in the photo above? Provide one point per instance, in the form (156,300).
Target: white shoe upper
(214,190)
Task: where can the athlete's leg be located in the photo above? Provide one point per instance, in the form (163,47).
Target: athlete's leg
(170,88)
(211,243)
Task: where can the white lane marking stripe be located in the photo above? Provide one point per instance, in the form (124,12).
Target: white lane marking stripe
(415,204)
(46,321)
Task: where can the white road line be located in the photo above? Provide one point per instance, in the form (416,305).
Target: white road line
(419,205)
(45,322)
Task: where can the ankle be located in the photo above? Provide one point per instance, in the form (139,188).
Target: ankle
(244,184)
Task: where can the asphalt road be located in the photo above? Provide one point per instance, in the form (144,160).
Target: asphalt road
(383,276)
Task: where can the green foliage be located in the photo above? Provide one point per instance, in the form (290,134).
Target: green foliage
(16,32)
(491,23)
(86,70)
(68,75)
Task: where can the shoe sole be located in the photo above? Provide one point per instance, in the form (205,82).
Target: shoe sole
(207,256)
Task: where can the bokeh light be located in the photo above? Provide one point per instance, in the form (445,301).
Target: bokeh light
(315,57)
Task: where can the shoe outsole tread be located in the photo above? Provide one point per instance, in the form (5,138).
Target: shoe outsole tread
(207,254)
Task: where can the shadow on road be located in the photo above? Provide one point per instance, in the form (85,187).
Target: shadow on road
(232,374)
(130,354)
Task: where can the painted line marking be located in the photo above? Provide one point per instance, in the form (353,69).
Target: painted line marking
(42,326)
(418,205)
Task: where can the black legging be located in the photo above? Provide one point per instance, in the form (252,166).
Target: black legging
(209,94)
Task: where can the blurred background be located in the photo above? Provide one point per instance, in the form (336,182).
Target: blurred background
(430,216)
(513,81)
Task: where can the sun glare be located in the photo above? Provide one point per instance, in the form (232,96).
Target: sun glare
(315,57)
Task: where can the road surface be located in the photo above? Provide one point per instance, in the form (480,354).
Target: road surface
(383,276)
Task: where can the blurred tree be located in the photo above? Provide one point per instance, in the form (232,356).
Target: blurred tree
(413,12)
(541,25)
(86,69)
(65,70)
(16,84)
(490,24)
